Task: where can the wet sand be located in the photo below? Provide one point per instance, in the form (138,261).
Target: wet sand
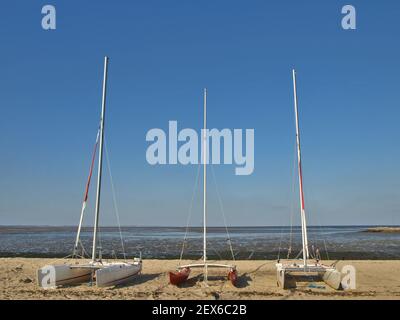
(257,280)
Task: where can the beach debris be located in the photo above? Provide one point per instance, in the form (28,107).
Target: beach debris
(26,280)
(18,268)
(215,295)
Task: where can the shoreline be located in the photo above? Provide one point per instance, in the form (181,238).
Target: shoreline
(243,256)
(383,230)
(377,279)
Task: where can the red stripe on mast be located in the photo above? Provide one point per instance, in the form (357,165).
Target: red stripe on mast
(301,186)
(90,172)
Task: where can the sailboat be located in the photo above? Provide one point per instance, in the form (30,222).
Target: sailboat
(288,271)
(182,273)
(104,273)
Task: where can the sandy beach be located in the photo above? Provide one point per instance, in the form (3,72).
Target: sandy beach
(375,280)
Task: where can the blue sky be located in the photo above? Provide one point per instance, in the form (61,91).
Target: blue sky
(162,54)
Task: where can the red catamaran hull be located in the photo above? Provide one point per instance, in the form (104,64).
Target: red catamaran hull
(233,276)
(179,277)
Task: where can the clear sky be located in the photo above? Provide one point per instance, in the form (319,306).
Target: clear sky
(162,54)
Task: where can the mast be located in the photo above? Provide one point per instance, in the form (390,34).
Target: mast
(100,165)
(301,191)
(85,198)
(205,187)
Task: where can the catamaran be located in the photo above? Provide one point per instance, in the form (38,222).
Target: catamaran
(288,271)
(104,273)
(183,271)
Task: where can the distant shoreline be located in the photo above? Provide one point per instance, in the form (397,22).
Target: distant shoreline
(256,256)
(110,227)
(384,229)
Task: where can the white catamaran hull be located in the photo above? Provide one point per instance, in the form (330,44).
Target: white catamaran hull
(117,273)
(333,278)
(287,274)
(57,275)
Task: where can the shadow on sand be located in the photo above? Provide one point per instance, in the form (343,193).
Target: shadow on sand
(191,282)
(243,281)
(138,279)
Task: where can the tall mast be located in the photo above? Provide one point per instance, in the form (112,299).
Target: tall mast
(100,165)
(205,187)
(301,191)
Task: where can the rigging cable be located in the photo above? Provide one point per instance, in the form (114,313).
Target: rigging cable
(115,200)
(223,212)
(190,212)
(292,202)
(85,198)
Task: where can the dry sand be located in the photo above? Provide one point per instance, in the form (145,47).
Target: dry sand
(257,280)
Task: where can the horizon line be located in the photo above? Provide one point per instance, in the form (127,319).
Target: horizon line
(200,226)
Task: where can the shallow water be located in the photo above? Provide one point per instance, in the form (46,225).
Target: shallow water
(333,242)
